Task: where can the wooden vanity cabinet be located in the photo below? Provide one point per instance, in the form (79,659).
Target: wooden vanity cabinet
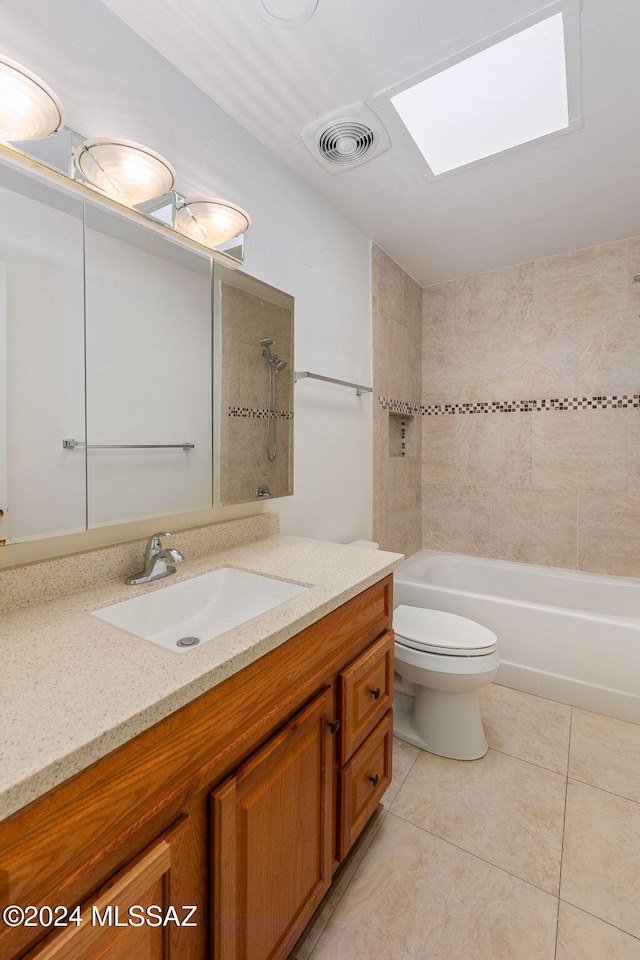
(272,848)
(241,804)
(126,918)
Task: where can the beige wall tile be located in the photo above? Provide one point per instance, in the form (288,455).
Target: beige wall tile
(404,528)
(609,533)
(397,373)
(246,376)
(250,318)
(404,366)
(438,309)
(493,448)
(243,453)
(606,753)
(633,268)
(601,856)
(456,363)
(381,475)
(379,526)
(380,434)
(456,360)
(456,518)
(380,348)
(413,306)
(456,368)
(583,283)
(438,448)
(498,300)
(634,450)
(388,284)
(609,347)
(537,361)
(443,796)
(278,466)
(530,728)
(580,449)
(583,937)
(410,893)
(534,526)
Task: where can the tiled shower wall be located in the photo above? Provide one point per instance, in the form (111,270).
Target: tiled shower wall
(515,475)
(244,463)
(397,350)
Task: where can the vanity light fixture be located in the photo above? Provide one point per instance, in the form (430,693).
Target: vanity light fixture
(211,221)
(29,109)
(125,171)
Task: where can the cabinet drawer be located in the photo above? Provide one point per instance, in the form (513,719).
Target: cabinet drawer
(366,693)
(363,781)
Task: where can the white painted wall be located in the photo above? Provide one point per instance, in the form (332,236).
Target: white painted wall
(112,83)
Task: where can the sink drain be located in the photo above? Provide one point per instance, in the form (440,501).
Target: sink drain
(187,642)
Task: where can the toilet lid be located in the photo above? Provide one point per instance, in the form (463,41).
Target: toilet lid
(438,632)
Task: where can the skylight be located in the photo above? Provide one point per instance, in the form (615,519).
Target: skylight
(508,94)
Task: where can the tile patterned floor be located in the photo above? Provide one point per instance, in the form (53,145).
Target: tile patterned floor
(532,853)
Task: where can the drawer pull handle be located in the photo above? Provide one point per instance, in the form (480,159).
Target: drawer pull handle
(334,726)
(374,780)
(376,693)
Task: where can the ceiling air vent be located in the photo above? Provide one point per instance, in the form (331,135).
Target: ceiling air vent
(346,139)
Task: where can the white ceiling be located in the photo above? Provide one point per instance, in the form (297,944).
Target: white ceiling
(562,194)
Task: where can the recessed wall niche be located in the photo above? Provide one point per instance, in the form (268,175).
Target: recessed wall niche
(402,435)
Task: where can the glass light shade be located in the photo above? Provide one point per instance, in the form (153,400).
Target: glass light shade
(29,109)
(211,221)
(126,171)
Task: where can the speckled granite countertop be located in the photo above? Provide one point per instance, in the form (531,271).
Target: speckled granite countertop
(73,687)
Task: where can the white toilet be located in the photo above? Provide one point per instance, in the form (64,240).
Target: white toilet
(442,661)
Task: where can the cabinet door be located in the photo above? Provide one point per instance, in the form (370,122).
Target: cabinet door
(272,840)
(108,930)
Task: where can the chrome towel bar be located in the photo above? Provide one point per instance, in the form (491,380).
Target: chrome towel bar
(358,387)
(69,443)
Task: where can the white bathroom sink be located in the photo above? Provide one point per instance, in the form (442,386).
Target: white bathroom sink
(199,609)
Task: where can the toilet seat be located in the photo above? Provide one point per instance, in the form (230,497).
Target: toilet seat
(446,634)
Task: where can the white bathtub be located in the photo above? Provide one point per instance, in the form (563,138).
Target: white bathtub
(562,634)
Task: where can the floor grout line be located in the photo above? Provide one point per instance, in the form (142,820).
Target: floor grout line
(610,793)
(477,856)
(595,916)
(370,849)
(564,825)
(514,756)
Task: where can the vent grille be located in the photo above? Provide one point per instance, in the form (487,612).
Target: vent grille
(346,138)
(347,141)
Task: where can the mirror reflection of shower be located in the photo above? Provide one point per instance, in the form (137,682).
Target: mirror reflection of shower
(276,365)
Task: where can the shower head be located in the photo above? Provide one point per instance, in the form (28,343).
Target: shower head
(267,342)
(280,365)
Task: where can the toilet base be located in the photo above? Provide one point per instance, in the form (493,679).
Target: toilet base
(443,722)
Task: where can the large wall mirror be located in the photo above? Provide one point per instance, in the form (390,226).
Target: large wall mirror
(139,377)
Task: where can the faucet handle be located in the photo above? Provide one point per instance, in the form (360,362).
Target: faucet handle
(154,544)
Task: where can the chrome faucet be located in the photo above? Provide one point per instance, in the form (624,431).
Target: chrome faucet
(156,565)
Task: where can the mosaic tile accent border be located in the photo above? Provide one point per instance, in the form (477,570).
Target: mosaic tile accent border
(399,406)
(613,401)
(255,414)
